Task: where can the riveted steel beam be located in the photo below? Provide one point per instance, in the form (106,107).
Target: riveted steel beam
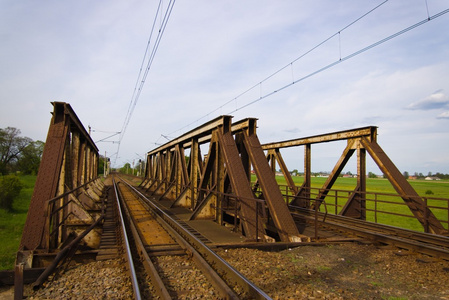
(282,218)
(69,160)
(226,171)
(369,132)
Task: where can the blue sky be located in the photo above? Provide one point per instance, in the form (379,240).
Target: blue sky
(88,53)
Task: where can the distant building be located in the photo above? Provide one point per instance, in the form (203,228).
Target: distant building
(432,178)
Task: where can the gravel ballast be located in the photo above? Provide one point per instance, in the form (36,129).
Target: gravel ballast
(345,271)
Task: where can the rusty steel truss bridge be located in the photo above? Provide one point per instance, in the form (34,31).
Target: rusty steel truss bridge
(232,183)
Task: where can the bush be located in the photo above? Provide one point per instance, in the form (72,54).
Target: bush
(429,192)
(10,187)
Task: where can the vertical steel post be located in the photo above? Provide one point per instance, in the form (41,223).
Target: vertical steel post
(194,153)
(307,173)
(18,282)
(361,180)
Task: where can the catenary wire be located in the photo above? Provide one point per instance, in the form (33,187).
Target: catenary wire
(284,67)
(142,79)
(344,59)
(317,71)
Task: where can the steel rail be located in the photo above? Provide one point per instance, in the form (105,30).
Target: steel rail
(218,264)
(425,243)
(131,269)
(221,286)
(150,269)
(429,238)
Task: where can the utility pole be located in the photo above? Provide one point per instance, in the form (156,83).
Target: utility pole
(140,167)
(145,166)
(104,167)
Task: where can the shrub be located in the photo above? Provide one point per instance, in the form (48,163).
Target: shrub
(10,187)
(429,192)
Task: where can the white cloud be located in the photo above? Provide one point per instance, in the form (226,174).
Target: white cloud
(89,54)
(436,100)
(443,115)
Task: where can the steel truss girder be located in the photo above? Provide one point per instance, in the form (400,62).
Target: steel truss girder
(225,174)
(69,160)
(404,189)
(360,140)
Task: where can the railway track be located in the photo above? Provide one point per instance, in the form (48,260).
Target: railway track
(420,242)
(156,244)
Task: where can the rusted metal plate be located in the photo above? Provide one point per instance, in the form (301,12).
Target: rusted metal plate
(57,169)
(278,208)
(241,186)
(46,181)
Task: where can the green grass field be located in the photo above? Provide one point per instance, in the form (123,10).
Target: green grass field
(430,189)
(11,223)
(380,185)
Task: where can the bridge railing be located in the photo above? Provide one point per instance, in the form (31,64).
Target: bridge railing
(382,208)
(67,194)
(66,210)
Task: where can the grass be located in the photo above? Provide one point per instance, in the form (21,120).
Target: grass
(379,185)
(439,189)
(11,223)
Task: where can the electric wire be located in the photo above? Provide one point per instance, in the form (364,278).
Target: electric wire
(142,64)
(344,58)
(140,82)
(102,131)
(356,53)
(103,139)
(290,64)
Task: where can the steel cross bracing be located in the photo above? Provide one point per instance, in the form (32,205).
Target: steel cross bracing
(362,141)
(67,194)
(219,183)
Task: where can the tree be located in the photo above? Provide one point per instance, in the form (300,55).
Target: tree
(11,146)
(371,175)
(30,158)
(126,168)
(10,187)
(101,164)
(406,175)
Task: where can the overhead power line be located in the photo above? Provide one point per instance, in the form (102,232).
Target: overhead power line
(112,135)
(281,69)
(344,59)
(340,60)
(148,58)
